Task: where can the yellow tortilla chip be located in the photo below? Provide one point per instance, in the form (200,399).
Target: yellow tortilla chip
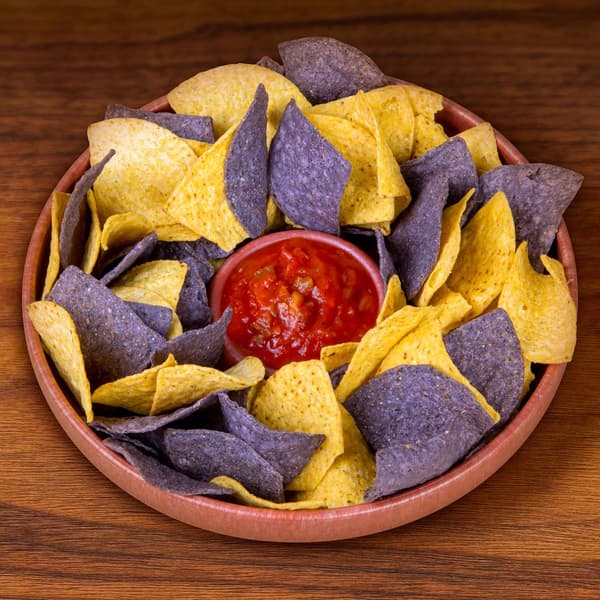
(449,248)
(59,337)
(149,162)
(541,309)
(248,498)
(375,345)
(164,277)
(389,178)
(528,377)
(452,308)
(487,248)
(425,346)
(131,293)
(123,230)
(225,93)
(423,101)
(135,392)
(92,244)
(59,203)
(197,146)
(299,397)
(361,203)
(275,218)
(350,475)
(393,300)
(337,355)
(428,135)
(200,203)
(181,385)
(481,142)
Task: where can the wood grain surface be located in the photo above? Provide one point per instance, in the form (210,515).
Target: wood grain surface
(531,68)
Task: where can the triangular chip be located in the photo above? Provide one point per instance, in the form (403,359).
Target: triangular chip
(299,397)
(124,230)
(393,300)
(59,336)
(184,384)
(59,203)
(135,392)
(337,355)
(225,93)
(481,141)
(92,244)
(149,162)
(541,308)
(487,248)
(451,307)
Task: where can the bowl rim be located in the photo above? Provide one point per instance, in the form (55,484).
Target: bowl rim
(262,524)
(233,352)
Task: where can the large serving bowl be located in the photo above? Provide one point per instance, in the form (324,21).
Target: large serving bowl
(294,526)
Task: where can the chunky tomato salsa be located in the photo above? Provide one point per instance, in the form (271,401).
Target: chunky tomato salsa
(294,297)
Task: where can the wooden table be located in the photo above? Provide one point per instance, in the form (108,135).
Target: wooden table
(531,531)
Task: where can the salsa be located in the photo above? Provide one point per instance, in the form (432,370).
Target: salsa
(293,297)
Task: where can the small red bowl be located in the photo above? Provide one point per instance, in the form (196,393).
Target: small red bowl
(290,526)
(233,353)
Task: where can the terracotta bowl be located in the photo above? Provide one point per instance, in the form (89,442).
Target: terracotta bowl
(280,526)
(233,353)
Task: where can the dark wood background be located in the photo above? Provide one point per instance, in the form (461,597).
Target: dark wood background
(531,531)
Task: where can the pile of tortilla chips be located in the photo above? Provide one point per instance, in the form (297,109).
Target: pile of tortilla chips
(322,141)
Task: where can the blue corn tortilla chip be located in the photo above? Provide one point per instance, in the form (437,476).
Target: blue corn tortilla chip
(187,252)
(246,185)
(402,466)
(287,452)
(326,69)
(139,253)
(270,63)
(538,195)
(335,375)
(414,242)
(385,260)
(191,127)
(450,160)
(115,342)
(192,307)
(204,454)
(119,426)
(160,475)
(156,317)
(307,174)
(197,346)
(487,352)
(75,222)
(412,403)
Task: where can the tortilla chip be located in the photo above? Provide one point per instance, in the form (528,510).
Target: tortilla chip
(428,135)
(374,347)
(184,384)
(393,300)
(451,307)
(449,248)
(135,392)
(487,248)
(350,475)
(299,397)
(481,141)
(59,203)
(124,230)
(225,93)
(423,101)
(325,68)
(164,277)
(149,162)
(59,337)
(337,355)
(541,308)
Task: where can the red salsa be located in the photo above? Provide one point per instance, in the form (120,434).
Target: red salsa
(294,297)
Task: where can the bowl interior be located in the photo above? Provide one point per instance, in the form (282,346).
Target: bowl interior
(282,526)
